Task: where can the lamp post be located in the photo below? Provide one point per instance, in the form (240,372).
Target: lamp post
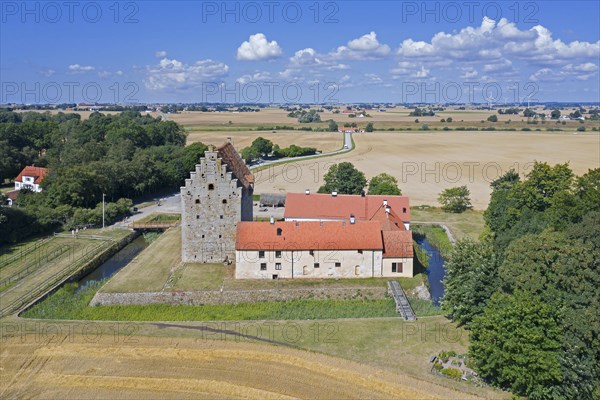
(103,210)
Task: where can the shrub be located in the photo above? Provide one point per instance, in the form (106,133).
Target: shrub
(581,129)
(452,373)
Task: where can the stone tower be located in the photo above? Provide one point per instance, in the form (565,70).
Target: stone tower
(217,196)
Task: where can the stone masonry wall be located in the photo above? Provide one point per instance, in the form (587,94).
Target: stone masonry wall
(238,296)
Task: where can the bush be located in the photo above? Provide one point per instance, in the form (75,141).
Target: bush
(493,118)
(452,373)
(581,129)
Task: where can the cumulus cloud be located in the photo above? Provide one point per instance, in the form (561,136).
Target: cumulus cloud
(260,76)
(257,47)
(492,41)
(581,72)
(160,54)
(366,47)
(174,74)
(78,69)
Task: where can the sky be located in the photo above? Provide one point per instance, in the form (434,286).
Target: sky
(501,52)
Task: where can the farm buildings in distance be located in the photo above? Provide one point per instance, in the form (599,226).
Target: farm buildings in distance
(322,235)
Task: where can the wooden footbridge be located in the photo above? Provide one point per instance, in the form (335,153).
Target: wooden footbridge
(152,226)
(402,304)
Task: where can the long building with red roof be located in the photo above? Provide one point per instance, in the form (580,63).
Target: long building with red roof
(329,236)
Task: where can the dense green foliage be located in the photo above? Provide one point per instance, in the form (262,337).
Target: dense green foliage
(455,199)
(343,178)
(530,291)
(122,156)
(384,184)
(262,147)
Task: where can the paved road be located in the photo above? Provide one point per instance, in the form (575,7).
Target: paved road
(347,147)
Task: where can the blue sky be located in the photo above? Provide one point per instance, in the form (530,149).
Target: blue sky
(305,51)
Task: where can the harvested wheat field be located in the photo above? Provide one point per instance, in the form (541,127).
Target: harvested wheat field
(102,367)
(426,163)
(322,141)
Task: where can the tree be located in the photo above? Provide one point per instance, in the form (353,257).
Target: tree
(369,127)
(449,119)
(455,199)
(249,154)
(555,114)
(384,184)
(343,178)
(333,126)
(262,146)
(471,279)
(493,118)
(515,344)
(192,155)
(528,113)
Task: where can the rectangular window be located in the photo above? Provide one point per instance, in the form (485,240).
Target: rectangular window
(397,267)
(338,264)
(317,265)
(263,266)
(311,252)
(278,266)
(278,254)
(261,254)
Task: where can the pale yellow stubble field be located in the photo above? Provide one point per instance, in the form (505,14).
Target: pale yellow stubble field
(428,162)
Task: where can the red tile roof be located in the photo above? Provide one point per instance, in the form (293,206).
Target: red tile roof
(235,164)
(12,194)
(326,206)
(309,235)
(389,220)
(38,173)
(397,244)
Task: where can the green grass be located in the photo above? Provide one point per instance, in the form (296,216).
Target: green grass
(424,308)
(192,276)
(467,224)
(158,217)
(66,304)
(436,236)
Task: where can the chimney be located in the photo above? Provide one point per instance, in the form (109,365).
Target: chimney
(307,191)
(387,209)
(334,193)
(362,193)
(352,219)
(385,202)
(272,220)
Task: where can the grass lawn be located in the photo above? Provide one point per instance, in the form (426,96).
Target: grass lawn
(150,270)
(193,276)
(468,224)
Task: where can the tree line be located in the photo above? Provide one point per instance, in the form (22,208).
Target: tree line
(122,156)
(529,290)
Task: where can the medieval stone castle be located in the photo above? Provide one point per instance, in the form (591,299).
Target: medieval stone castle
(217,196)
(322,236)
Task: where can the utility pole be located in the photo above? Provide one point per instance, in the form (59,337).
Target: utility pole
(103,210)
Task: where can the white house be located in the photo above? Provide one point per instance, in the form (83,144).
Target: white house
(30,178)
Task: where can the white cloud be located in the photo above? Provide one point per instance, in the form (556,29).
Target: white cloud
(469,73)
(256,77)
(48,72)
(78,69)
(491,41)
(258,48)
(174,74)
(421,74)
(366,47)
(500,66)
(119,73)
(160,54)
(581,72)
(103,74)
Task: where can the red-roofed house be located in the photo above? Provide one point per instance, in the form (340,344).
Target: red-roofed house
(380,246)
(30,178)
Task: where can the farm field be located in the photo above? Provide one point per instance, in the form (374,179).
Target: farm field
(426,163)
(186,362)
(322,141)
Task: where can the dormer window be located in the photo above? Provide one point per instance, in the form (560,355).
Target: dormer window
(279,231)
